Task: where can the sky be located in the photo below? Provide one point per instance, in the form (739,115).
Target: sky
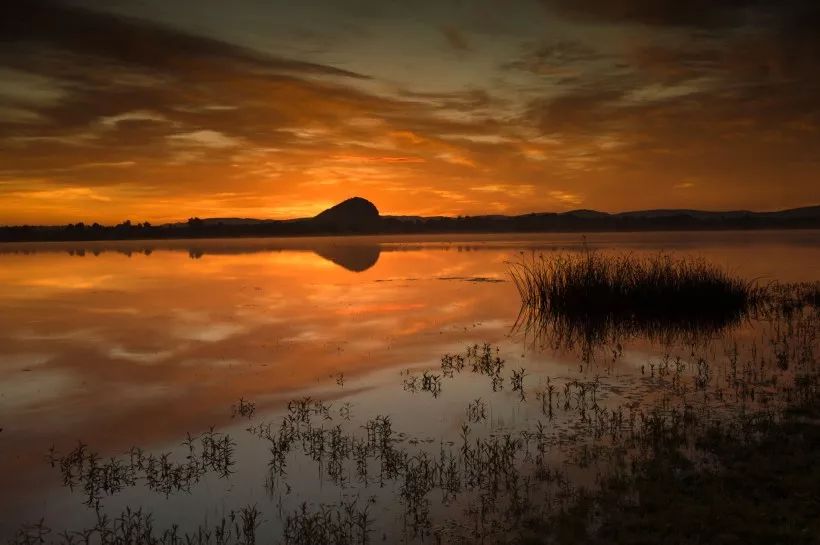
(159,110)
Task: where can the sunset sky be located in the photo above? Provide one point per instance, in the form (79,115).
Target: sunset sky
(159,110)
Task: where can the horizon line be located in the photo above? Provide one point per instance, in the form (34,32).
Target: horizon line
(456,216)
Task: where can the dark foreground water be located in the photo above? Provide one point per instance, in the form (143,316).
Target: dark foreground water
(113,354)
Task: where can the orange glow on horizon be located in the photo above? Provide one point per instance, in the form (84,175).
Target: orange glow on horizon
(608,121)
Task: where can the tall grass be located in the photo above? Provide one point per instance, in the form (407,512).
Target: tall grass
(590,293)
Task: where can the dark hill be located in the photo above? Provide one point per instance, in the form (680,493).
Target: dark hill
(358,216)
(354,214)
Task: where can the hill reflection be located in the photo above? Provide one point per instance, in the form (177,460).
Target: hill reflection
(353,255)
(356,258)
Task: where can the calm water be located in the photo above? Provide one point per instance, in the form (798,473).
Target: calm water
(138,343)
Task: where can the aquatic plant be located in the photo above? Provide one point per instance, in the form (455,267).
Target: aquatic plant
(243,408)
(84,469)
(589,299)
(627,285)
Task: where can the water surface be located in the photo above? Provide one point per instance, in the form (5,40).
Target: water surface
(138,343)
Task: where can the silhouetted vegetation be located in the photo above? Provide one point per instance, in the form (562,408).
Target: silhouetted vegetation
(589,298)
(84,469)
(136,527)
(629,287)
(358,216)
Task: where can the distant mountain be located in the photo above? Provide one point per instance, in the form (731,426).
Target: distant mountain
(228,221)
(360,216)
(352,212)
(355,212)
(586,214)
(805,212)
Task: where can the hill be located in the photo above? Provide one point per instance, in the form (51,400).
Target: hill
(360,216)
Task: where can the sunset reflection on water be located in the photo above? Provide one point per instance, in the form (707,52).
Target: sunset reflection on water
(117,344)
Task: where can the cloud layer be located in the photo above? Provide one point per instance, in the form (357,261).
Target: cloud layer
(160,114)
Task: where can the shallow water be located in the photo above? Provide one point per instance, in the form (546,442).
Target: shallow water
(138,343)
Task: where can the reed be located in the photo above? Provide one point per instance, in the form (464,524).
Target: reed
(590,298)
(660,285)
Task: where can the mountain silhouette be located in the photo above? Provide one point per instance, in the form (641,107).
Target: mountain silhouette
(352,214)
(358,216)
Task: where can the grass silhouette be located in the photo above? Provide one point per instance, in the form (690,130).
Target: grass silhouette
(590,298)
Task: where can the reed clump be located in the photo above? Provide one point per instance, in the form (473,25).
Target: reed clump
(596,296)
(659,285)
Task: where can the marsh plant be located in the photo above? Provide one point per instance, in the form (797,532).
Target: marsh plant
(477,411)
(134,526)
(243,408)
(589,299)
(86,471)
(347,523)
(625,285)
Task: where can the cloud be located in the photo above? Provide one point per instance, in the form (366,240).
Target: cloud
(555,58)
(455,38)
(747,79)
(69,193)
(168,124)
(566,198)
(513,190)
(204,139)
(126,91)
(377,159)
(114,121)
(131,42)
(697,13)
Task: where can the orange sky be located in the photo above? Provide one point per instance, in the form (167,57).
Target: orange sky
(156,111)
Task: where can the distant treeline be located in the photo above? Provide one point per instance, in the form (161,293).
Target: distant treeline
(548,222)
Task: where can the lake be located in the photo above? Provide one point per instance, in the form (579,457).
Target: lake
(140,343)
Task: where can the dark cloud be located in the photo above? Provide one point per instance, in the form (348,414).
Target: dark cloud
(558,58)
(100,65)
(462,101)
(455,38)
(130,42)
(733,113)
(578,111)
(671,64)
(727,90)
(754,74)
(131,92)
(686,13)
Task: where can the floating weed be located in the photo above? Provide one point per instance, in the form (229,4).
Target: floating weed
(345,411)
(132,527)
(243,408)
(344,524)
(84,469)
(517,382)
(431,383)
(452,364)
(477,411)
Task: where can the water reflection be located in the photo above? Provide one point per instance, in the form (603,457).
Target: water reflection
(356,255)
(137,343)
(356,258)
